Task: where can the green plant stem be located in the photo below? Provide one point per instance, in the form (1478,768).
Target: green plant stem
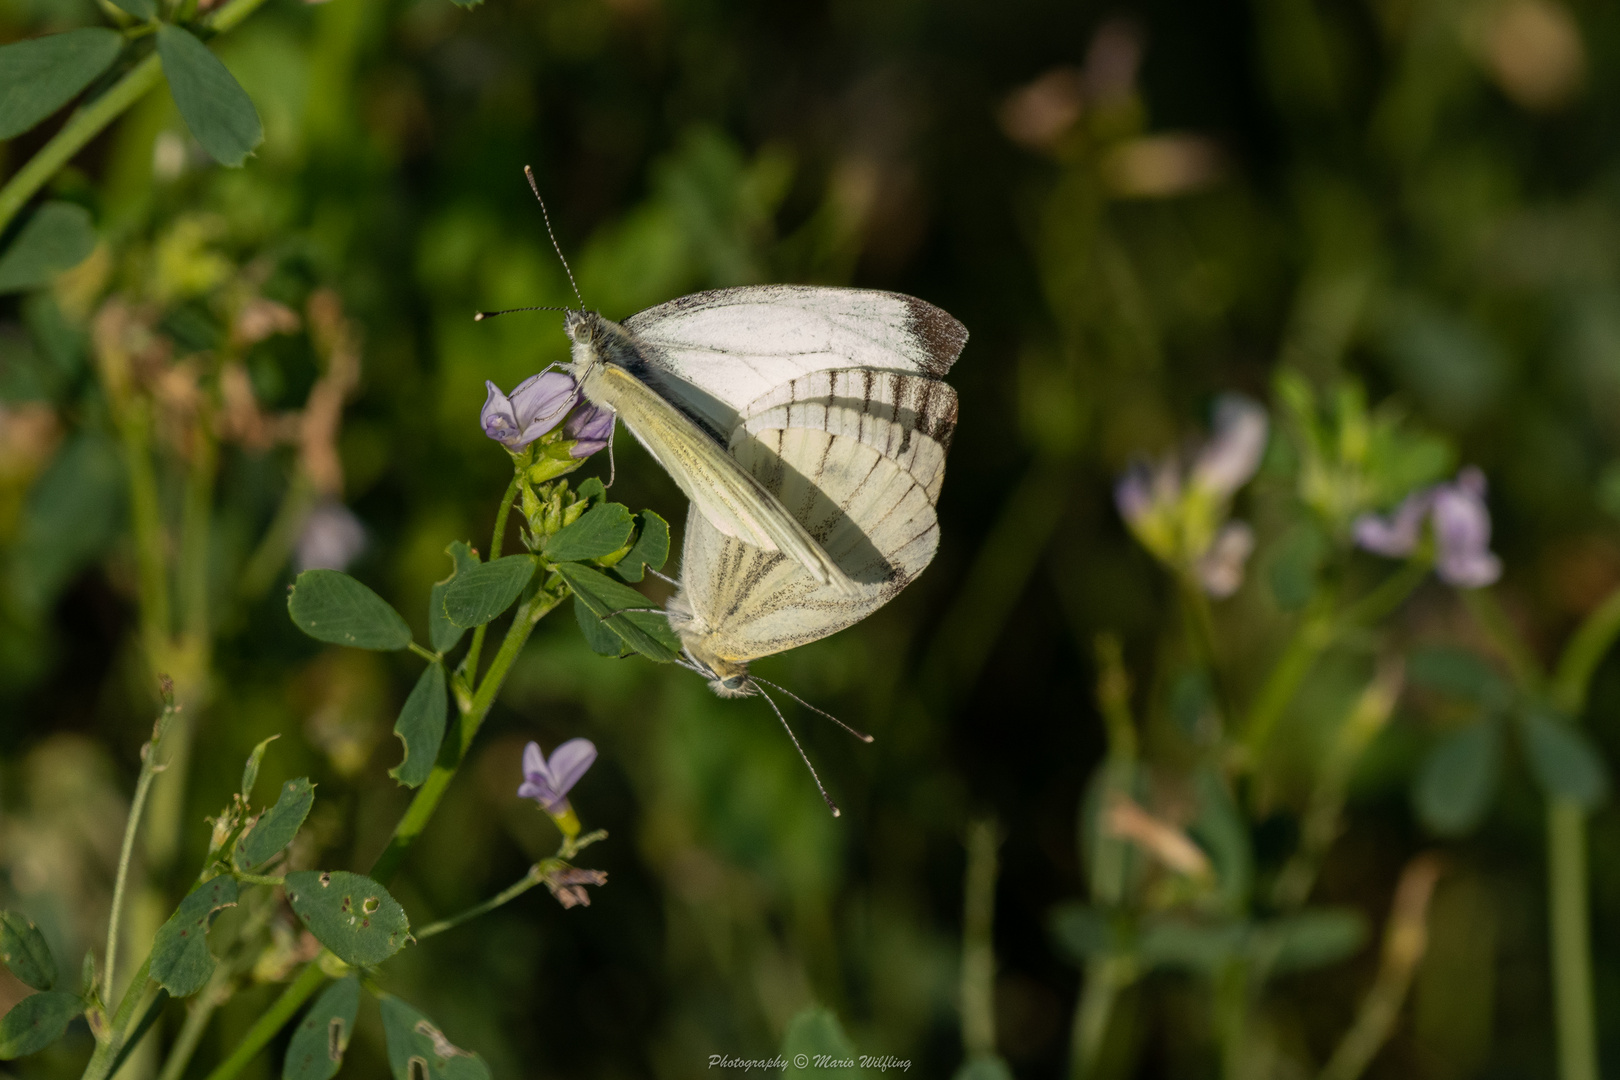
(1569,920)
(469,664)
(107,1049)
(978,948)
(432,790)
(1314,635)
(153,1010)
(143,786)
(1570,924)
(271,1021)
(1590,643)
(89,121)
(1105,978)
(1521,661)
(528,881)
(195,522)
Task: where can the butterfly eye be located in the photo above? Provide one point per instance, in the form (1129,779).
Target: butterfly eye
(736,682)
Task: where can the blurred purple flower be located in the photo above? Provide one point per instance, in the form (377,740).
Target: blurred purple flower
(590,427)
(1220,571)
(1232,455)
(537,405)
(1462,530)
(548,783)
(331,539)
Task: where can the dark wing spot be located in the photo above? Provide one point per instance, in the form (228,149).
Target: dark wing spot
(939,334)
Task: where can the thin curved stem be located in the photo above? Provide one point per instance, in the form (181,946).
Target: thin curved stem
(510,893)
(271,1021)
(1586,648)
(469,664)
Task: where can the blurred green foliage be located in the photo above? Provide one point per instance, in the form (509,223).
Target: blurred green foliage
(1394,220)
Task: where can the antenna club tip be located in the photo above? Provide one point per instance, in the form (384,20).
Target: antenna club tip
(478,316)
(837,812)
(867,739)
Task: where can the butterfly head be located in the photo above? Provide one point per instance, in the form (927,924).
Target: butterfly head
(728,678)
(580,325)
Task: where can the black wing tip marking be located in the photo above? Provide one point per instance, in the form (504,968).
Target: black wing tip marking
(941,334)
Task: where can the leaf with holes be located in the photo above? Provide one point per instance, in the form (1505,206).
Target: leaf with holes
(181,962)
(331,606)
(37,1021)
(250,771)
(319,1040)
(647,632)
(599,531)
(349,914)
(213,104)
(58,237)
(24,951)
(651,550)
(442,633)
(421,727)
(41,75)
(277,826)
(418,1050)
(486,590)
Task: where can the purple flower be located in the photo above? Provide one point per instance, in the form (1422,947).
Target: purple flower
(1220,571)
(1232,455)
(1461,523)
(331,539)
(548,783)
(590,427)
(535,407)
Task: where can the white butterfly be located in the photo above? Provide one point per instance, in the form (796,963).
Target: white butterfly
(683,376)
(862,482)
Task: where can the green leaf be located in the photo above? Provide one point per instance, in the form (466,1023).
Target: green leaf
(37,1021)
(39,76)
(651,550)
(484,591)
(319,1040)
(1563,759)
(141,9)
(214,105)
(1457,673)
(816,1037)
(277,826)
(421,727)
(603,642)
(468,4)
(1310,939)
(647,632)
(414,1040)
(181,962)
(442,633)
(1222,831)
(599,531)
(591,490)
(1082,932)
(1456,781)
(331,606)
(24,951)
(250,771)
(58,237)
(349,914)
(1188,946)
(1294,565)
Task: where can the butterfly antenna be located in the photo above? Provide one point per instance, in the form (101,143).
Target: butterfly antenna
(664,578)
(480,316)
(534,187)
(861,735)
(806,757)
